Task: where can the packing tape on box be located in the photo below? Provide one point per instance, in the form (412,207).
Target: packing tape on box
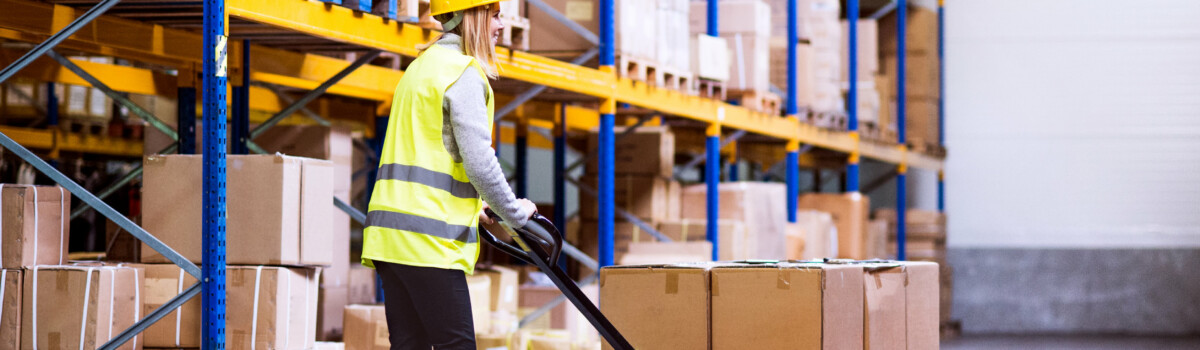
(672,282)
(784,281)
(112,292)
(714,289)
(137,301)
(3,283)
(179,310)
(33,317)
(254,313)
(287,338)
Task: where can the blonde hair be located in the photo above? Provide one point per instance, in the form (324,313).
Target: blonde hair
(475,31)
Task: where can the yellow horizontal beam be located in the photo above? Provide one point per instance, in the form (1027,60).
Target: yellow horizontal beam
(57,140)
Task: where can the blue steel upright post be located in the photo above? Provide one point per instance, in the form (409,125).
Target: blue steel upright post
(712,165)
(213,241)
(852,103)
(793,108)
(941,196)
(607,147)
(901,97)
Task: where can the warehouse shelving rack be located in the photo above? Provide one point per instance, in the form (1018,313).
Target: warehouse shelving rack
(193,38)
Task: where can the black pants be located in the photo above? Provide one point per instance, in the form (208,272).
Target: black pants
(426,307)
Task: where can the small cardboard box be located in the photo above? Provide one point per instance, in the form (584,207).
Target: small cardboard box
(849,212)
(787,306)
(33,229)
(280,208)
(79,306)
(658,306)
(10,308)
(648,151)
(366,328)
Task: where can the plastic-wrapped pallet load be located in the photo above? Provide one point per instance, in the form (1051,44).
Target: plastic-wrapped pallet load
(79,306)
(34,231)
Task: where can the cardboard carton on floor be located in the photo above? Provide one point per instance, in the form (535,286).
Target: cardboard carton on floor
(658,306)
(366,328)
(10,308)
(787,306)
(277,307)
(79,306)
(759,205)
(849,211)
(280,208)
(33,229)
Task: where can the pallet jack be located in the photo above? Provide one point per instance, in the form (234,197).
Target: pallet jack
(539,243)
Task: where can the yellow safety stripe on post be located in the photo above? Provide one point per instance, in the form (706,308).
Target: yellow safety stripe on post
(855,154)
(793,145)
(713,129)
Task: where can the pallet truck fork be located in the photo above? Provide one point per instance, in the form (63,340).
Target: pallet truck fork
(539,243)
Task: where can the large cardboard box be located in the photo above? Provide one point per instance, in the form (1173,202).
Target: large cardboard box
(710,57)
(921,32)
(885,301)
(479,286)
(731,235)
(10,308)
(279,208)
(868,49)
(658,306)
(849,212)
(646,197)
(277,307)
(759,205)
(79,306)
(361,285)
(34,230)
(921,74)
(921,305)
(331,303)
(366,328)
(817,81)
(787,306)
(819,234)
(648,151)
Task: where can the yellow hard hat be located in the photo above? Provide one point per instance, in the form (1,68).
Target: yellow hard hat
(437,7)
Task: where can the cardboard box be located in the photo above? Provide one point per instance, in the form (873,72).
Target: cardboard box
(731,235)
(79,306)
(877,240)
(868,49)
(332,143)
(921,32)
(366,328)
(361,285)
(817,81)
(624,233)
(646,197)
(582,334)
(279,208)
(922,73)
(673,41)
(11,290)
(761,206)
(922,303)
(648,151)
(633,18)
(849,211)
(658,306)
(480,287)
(331,302)
(750,17)
(642,253)
(806,12)
(710,57)
(885,301)
(282,300)
(787,306)
(532,297)
(33,229)
(820,235)
(795,241)
(750,62)
(504,288)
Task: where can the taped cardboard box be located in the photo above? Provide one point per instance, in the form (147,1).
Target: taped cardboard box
(366,328)
(331,302)
(760,206)
(282,300)
(79,306)
(648,151)
(34,231)
(787,306)
(649,198)
(884,301)
(280,208)
(658,306)
(11,291)
(849,211)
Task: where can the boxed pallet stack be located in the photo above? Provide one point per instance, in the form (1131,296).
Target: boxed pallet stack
(516,27)
(643,186)
(748,37)
(817,58)
(758,206)
(922,73)
(673,46)
(871,124)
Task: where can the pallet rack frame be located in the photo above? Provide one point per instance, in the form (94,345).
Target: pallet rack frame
(400,38)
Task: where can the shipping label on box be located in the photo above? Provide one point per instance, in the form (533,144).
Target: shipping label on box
(658,306)
(11,291)
(34,229)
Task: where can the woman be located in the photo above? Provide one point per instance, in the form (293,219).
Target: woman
(436,171)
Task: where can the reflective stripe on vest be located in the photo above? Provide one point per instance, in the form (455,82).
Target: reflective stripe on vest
(423,210)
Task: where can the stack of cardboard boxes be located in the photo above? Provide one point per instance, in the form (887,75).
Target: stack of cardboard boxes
(748,39)
(759,208)
(872,124)
(922,81)
(818,61)
(773,305)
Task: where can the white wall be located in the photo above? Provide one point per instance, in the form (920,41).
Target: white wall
(1073,123)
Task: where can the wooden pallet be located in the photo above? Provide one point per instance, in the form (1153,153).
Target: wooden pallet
(761,101)
(874,132)
(84,125)
(635,69)
(678,80)
(829,120)
(515,34)
(711,89)
(926,147)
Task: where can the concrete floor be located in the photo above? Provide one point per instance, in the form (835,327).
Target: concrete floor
(1071,342)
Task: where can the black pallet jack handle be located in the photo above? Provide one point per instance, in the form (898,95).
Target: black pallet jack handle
(539,243)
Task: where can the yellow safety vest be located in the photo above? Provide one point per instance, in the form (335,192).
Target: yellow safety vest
(424,210)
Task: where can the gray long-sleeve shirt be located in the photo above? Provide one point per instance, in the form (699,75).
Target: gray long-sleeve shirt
(466,136)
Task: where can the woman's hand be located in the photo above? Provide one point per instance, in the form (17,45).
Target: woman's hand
(483,215)
(528,205)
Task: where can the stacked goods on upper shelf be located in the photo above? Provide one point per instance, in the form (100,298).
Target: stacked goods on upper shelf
(516,27)
(749,39)
(773,305)
(817,61)
(849,211)
(643,53)
(871,124)
(758,206)
(922,83)
(409,11)
(710,61)
(21,98)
